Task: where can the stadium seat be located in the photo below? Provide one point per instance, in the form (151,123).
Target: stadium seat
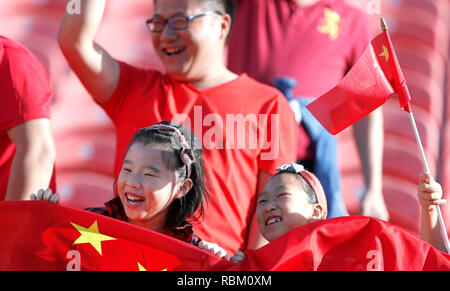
(402,159)
(420,26)
(401,200)
(397,123)
(426,93)
(84,189)
(437,8)
(431,65)
(83,151)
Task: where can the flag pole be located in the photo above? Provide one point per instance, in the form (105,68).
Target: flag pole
(424,160)
(427,169)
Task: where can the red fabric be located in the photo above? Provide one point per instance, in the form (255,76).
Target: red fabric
(145,97)
(277,38)
(25,96)
(366,87)
(37,235)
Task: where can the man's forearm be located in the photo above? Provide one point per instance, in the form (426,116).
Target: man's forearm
(30,171)
(82,27)
(369,137)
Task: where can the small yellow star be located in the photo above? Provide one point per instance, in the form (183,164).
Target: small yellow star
(141,268)
(385,53)
(91,235)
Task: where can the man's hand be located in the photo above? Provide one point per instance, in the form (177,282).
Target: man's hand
(373,205)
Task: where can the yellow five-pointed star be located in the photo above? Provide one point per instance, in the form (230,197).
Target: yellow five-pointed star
(385,53)
(91,235)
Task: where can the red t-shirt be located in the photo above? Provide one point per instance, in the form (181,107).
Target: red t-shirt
(25,95)
(145,97)
(316,45)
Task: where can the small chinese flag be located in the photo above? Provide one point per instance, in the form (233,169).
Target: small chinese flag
(373,79)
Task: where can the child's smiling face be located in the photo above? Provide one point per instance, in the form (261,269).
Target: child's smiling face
(146,186)
(283,206)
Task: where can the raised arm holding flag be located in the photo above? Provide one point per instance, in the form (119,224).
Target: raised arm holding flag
(368,85)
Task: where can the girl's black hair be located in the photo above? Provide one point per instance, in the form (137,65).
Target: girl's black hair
(190,206)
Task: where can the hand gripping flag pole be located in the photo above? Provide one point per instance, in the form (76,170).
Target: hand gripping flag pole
(404,97)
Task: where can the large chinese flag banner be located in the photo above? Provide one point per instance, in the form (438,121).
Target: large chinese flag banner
(37,235)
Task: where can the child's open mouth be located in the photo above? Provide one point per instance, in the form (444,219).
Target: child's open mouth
(174,51)
(273,219)
(134,199)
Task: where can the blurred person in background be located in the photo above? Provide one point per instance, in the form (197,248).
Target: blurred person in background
(27,150)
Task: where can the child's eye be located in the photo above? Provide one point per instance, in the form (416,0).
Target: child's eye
(149,175)
(126,170)
(282,195)
(262,201)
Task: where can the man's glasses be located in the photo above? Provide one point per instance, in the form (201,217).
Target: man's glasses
(176,22)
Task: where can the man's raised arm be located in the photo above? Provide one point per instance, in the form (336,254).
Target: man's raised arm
(96,69)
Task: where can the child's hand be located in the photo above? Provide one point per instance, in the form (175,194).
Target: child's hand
(238,257)
(213,249)
(429,192)
(46,195)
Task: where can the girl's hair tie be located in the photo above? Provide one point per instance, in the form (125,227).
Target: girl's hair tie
(186,154)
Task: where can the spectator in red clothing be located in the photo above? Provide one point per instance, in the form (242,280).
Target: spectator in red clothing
(27,151)
(314,42)
(237,119)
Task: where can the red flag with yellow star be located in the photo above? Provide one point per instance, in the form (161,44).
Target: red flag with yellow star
(374,78)
(38,235)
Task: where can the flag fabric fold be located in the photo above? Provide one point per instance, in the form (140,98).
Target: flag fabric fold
(374,78)
(38,235)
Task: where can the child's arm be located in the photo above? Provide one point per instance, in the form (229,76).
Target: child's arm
(429,193)
(46,195)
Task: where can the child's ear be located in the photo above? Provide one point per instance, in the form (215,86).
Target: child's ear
(317,212)
(184,188)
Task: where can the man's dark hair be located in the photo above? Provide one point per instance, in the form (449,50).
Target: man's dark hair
(226,6)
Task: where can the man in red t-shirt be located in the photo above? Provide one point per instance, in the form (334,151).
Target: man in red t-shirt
(240,122)
(314,42)
(27,151)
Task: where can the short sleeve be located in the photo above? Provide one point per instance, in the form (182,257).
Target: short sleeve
(361,36)
(26,92)
(133,83)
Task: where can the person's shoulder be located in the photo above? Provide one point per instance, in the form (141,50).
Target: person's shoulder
(14,48)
